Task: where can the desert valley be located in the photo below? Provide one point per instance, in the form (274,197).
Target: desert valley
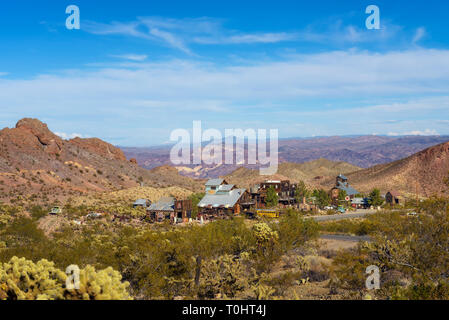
(141,231)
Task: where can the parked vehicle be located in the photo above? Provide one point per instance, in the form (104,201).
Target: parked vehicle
(55,211)
(341,210)
(94,215)
(267,213)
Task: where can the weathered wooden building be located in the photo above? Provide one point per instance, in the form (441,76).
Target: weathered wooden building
(342,184)
(144,203)
(394,198)
(170,208)
(223,199)
(284,189)
(213,185)
(183,210)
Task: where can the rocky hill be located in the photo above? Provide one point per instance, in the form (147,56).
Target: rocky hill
(36,164)
(312,173)
(425,173)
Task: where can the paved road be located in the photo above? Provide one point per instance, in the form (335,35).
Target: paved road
(344,237)
(357,214)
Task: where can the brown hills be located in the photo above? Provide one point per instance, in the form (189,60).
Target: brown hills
(312,173)
(36,164)
(425,173)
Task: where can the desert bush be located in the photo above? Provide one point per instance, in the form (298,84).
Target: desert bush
(37,212)
(294,231)
(415,247)
(162,261)
(357,227)
(225,277)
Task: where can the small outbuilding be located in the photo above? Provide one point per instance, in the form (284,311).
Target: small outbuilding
(163,209)
(144,203)
(394,198)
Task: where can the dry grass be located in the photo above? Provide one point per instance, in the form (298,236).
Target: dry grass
(130,195)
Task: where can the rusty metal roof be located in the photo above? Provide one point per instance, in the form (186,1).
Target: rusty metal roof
(225,199)
(164,204)
(214,182)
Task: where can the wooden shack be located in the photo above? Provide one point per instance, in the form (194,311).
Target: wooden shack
(394,198)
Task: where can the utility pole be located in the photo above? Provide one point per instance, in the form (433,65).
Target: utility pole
(416,191)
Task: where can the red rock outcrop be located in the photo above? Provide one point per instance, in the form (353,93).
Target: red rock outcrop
(99,147)
(51,143)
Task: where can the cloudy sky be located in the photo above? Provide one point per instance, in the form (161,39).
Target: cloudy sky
(136,70)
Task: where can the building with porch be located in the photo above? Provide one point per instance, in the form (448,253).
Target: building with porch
(227,200)
(342,184)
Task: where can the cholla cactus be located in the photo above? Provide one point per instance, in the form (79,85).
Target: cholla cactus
(21,279)
(24,280)
(99,285)
(263,292)
(225,276)
(264,234)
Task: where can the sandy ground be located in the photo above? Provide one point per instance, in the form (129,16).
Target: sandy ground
(335,245)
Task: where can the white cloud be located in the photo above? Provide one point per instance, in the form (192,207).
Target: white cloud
(328,75)
(248,38)
(410,84)
(68,136)
(3,74)
(171,39)
(426,132)
(419,34)
(179,33)
(132,57)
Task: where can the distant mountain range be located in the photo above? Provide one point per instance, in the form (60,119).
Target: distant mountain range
(360,151)
(36,164)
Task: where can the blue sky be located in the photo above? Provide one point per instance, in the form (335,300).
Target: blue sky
(136,70)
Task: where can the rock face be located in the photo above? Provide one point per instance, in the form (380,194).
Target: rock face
(100,147)
(34,162)
(51,143)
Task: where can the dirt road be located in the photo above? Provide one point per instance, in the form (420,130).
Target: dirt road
(357,214)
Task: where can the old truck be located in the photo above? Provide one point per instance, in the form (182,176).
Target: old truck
(55,211)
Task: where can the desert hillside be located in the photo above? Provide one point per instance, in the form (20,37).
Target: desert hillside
(311,173)
(36,164)
(424,172)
